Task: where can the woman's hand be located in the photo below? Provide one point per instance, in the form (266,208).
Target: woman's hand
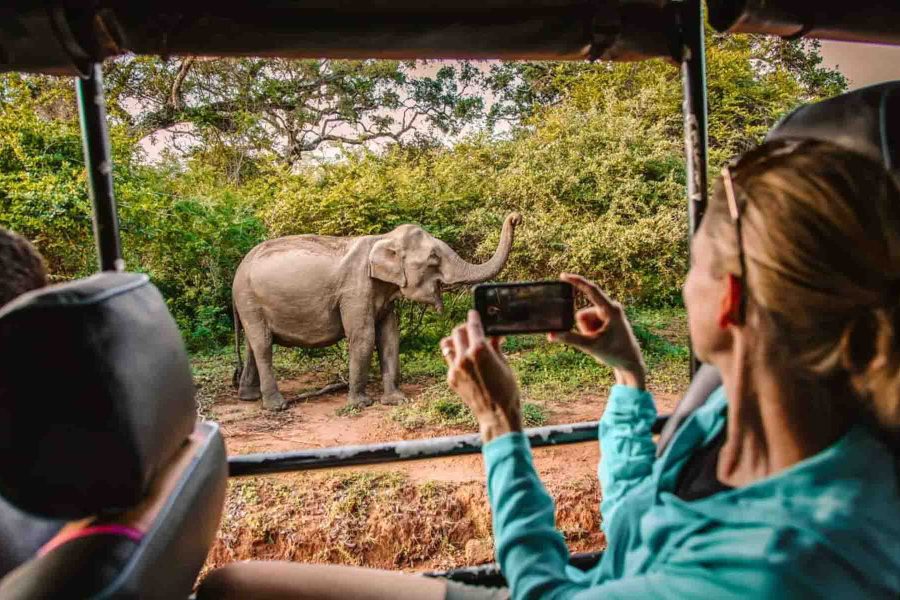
(605,333)
(479,373)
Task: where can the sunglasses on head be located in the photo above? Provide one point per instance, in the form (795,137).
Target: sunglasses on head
(753,160)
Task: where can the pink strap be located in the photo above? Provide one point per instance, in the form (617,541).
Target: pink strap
(113,529)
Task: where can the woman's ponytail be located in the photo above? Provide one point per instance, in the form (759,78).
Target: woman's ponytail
(821,245)
(870,351)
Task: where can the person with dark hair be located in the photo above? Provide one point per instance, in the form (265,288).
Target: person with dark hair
(22,268)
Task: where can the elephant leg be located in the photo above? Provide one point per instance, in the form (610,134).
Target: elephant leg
(249,384)
(260,340)
(361,345)
(388,344)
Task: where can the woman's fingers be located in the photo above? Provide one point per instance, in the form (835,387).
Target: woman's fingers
(590,325)
(474,330)
(589,289)
(590,321)
(569,337)
(460,341)
(465,348)
(447,351)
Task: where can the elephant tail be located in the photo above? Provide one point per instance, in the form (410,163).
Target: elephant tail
(239,365)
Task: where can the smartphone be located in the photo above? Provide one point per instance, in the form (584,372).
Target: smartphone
(525,307)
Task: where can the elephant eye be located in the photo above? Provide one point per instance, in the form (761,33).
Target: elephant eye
(434,260)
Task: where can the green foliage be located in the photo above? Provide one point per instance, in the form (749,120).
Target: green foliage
(42,180)
(601,191)
(593,160)
(533,415)
(436,406)
(251,109)
(184,228)
(439,407)
(595,166)
(189,234)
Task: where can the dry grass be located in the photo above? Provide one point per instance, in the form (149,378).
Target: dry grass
(379,520)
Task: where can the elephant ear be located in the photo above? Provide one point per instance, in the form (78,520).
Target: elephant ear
(386,263)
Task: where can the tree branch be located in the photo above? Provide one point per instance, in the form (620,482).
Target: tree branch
(175,95)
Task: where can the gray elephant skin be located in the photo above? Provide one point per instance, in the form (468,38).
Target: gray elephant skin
(312,291)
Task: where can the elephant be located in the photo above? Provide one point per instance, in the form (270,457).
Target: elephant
(312,291)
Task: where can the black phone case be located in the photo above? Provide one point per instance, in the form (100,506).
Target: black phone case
(567,316)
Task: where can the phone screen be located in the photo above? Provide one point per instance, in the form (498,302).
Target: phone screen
(511,308)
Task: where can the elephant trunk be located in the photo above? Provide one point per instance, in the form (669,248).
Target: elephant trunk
(459,271)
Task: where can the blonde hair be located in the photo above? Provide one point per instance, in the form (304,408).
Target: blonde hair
(820,228)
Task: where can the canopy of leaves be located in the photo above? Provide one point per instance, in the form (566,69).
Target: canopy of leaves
(592,157)
(253,107)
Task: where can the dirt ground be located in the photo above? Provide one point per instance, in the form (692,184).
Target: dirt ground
(414,515)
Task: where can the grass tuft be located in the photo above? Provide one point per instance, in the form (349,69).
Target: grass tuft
(533,415)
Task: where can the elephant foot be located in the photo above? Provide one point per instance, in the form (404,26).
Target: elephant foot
(249,394)
(394,397)
(275,402)
(359,401)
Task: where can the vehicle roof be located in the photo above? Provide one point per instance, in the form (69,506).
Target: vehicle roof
(65,37)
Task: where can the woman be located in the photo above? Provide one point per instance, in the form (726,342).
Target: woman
(22,269)
(784,484)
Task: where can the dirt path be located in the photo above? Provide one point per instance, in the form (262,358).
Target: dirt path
(318,423)
(414,515)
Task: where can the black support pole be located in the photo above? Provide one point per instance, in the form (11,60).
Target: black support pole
(693,80)
(95,139)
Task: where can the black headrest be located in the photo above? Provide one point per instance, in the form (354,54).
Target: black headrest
(866,121)
(95,395)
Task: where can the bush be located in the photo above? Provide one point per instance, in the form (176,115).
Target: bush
(595,166)
(600,189)
(183,227)
(190,237)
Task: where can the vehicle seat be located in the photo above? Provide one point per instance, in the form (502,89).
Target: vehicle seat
(22,535)
(97,412)
(703,384)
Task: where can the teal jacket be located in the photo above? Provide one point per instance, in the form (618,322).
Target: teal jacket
(827,527)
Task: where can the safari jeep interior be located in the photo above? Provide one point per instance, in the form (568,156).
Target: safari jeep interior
(130,486)
(121,486)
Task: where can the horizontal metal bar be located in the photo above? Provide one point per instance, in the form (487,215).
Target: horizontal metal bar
(388,452)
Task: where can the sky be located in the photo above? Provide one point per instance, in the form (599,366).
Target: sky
(862,64)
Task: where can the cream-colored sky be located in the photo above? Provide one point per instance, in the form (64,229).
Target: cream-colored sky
(863,64)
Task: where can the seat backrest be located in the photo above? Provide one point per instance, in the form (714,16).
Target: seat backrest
(705,381)
(22,535)
(97,401)
(866,121)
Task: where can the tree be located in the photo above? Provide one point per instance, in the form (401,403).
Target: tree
(593,159)
(180,225)
(752,81)
(288,108)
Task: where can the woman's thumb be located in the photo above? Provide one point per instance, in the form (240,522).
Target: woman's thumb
(568,337)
